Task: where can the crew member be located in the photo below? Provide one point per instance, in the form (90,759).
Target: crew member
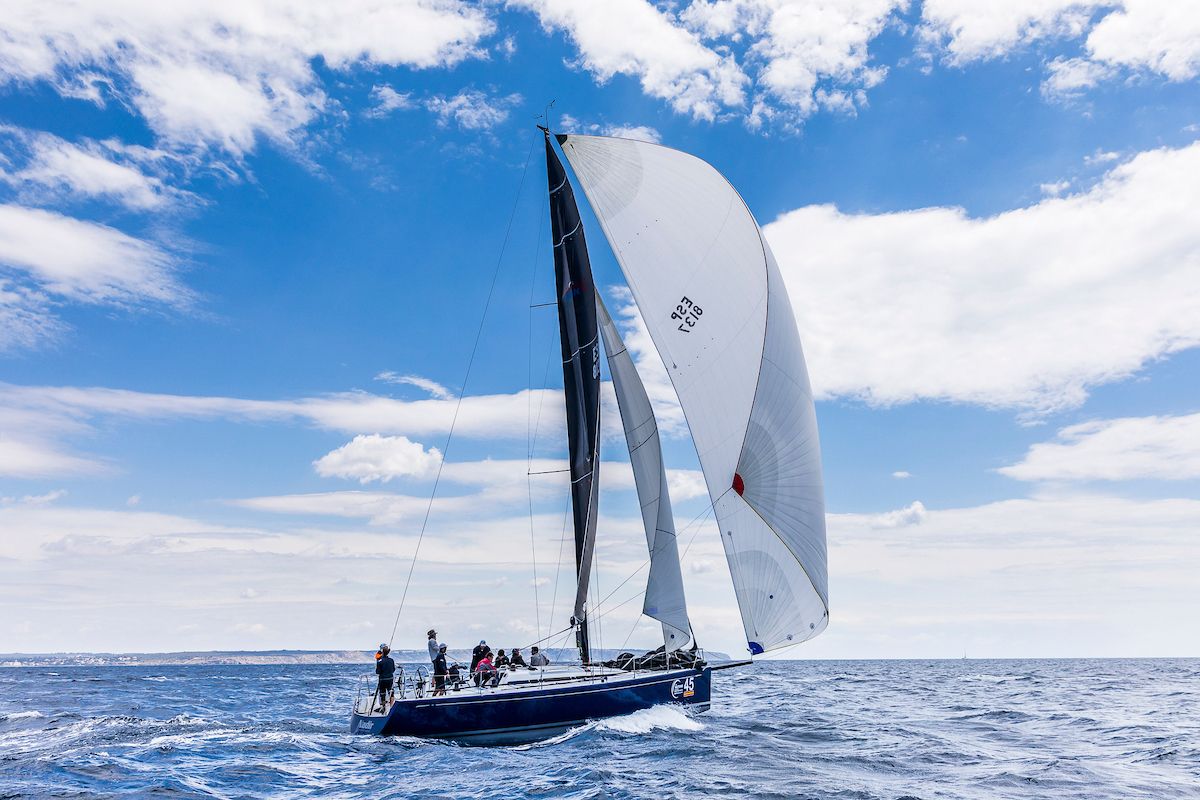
(433,645)
(537,658)
(385,668)
(478,653)
(439,671)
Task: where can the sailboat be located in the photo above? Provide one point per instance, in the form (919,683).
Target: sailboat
(715,305)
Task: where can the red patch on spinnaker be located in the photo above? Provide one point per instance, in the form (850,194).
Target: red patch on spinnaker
(739,485)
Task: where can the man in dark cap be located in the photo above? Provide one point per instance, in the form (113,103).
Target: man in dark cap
(439,671)
(479,652)
(385,668)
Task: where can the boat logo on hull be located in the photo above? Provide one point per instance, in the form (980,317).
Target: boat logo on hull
(683,687)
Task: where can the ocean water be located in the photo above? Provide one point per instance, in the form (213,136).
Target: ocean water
(850,729)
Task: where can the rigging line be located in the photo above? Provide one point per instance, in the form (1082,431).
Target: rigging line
(542,305)
(637,619)
(549,472)
(530,431)
(558,572)
(462,391)
(698,518)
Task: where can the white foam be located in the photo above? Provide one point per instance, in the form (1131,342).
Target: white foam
(649,719)
(21,715)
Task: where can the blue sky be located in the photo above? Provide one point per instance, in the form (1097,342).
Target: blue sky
(244,250)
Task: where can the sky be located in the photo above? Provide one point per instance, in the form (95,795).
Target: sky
(246,249)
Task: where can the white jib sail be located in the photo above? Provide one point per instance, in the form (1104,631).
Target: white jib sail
(715,305)
(665,599)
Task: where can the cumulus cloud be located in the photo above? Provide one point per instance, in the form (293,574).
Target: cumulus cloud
(970,30)
(901,475)
(472,110)
(912,514)
(369,458)
(1027,309)
(637,39)
(809,55)
(1160,37)
(1141,36)
(1130,448)
(222,74)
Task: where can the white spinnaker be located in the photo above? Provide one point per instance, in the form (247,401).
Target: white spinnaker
(665,599)
(715,305)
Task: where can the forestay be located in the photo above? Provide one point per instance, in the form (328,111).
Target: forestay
(665,600)
(716,307)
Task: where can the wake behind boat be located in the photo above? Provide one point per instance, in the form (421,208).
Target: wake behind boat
(714,303)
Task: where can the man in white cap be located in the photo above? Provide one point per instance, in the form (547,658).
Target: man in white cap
(433,645)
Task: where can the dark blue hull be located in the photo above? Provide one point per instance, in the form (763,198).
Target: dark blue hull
(532,715)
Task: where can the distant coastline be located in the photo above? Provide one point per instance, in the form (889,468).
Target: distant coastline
(256,657)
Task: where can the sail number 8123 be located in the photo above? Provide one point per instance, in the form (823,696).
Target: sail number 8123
(687,313)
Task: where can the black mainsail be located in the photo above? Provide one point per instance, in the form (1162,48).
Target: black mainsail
(581,374)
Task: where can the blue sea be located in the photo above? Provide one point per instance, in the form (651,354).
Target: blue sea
(833,729)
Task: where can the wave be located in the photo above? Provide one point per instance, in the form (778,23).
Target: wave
(649,719)
(21,715)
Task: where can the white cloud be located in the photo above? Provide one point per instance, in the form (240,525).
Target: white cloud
(1068,78)
(1133,35)
(85,261)
(34,458)
(385,100)
(637,39)
(1048,575)
(912,514)
(46,257)
(37,499)
(55,168)
(1051,575)
(1163,448)
(25,317)
(472,109)
(370,458)
(1161,37)
(1101,157)
(901,475)
(643,133)
(971,30)
(1028,308)
(435,389)
(223,73)
(1056,188)
(44,416)
(810,55)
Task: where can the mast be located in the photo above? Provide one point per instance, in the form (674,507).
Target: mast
(579,336)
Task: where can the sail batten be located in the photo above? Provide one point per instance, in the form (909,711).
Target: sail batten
(716,308)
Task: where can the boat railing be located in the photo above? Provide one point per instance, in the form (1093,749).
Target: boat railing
(415,682)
